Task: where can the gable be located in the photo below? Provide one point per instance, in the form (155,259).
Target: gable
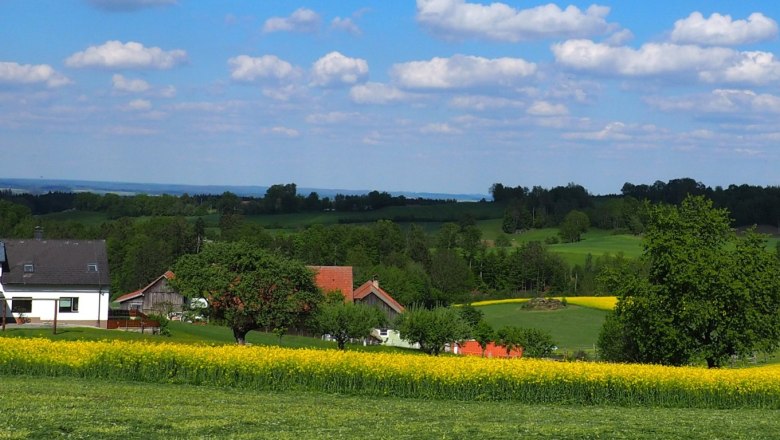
(56,262)
(372,289)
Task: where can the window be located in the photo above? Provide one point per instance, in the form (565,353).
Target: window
(69,305)
(21,305)
(29,268)
(92,267)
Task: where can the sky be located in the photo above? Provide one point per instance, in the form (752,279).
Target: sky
(443,96)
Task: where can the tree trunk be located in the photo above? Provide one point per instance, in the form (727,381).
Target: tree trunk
(240,335)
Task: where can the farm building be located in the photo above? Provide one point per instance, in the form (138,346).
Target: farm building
(340,279)
(41,280)
(157,297)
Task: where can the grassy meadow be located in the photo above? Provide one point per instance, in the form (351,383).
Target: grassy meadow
(572,328)
(80,408)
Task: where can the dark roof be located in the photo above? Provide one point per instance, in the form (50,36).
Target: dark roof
(3,258)
(56,262)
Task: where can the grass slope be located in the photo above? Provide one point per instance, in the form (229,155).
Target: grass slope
(79,408)
(572,328)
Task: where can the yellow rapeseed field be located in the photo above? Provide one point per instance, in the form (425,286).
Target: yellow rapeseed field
(595,302)
(402,375)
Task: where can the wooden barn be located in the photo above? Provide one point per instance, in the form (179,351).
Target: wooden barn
(157,297)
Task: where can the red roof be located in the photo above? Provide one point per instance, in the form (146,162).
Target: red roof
(372,286)
(140,292)
(472,348)
(334,278)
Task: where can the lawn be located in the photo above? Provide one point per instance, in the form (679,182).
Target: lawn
(39,407)
(572,328)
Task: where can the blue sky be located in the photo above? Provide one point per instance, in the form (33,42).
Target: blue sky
(433,95)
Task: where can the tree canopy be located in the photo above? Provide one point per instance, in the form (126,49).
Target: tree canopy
(248,288)
(708,294)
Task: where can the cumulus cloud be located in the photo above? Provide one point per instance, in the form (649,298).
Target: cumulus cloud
(128,5)
(283,131)
(480,103)
(709,64)
(544,108)
(726,101)
(246,68)
(122,84)
(346,25)
(613,131)
(15,73)
(131,55)
(138,105)
(377,93)
(462,71)
(331,118)
(499,21)
(439,128)
(336,69)
(721,30)
(302,20)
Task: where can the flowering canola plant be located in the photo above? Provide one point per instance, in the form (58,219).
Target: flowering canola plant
(396,374)
(594,302)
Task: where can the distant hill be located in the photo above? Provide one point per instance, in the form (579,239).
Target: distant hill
(42,186)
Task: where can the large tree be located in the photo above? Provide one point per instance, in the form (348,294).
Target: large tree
(248,288)
(708,294)
(432,328)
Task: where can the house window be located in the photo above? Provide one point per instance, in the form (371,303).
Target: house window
(29,268)
(21,305)
(92,267)
(69,305)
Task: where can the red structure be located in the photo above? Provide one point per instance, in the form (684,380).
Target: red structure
(472,348)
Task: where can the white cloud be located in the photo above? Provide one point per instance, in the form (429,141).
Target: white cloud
(138,105)
(123,130)
(336,69)
(461,71)
(128,5)
(439,128)
(544,108)
(499,21)
(131,55)
(748,67)
(206,106)
(377,93)
(283,131)
(346,25)
(331,118)
(15,73)
(246,68)
(725,101)
(168,91)
(709,64)
(614,131)
(480,103)
(122,84)
(721,30)
(302,20)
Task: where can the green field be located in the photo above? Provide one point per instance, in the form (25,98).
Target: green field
(43,408)
(572,328)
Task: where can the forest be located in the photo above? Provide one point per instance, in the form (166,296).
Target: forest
(422,260)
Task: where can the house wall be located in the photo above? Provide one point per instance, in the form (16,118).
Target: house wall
(92,304)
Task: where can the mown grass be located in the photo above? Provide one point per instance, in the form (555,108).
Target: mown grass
(45,408)
(572,328)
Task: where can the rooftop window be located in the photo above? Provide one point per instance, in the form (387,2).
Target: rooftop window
(29,268)
(92,267)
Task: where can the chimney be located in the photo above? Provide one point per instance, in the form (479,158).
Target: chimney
(375,281)
(38,233)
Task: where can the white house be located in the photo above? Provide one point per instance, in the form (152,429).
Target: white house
(41,279)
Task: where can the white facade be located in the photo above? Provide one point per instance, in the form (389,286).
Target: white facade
(77,306)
